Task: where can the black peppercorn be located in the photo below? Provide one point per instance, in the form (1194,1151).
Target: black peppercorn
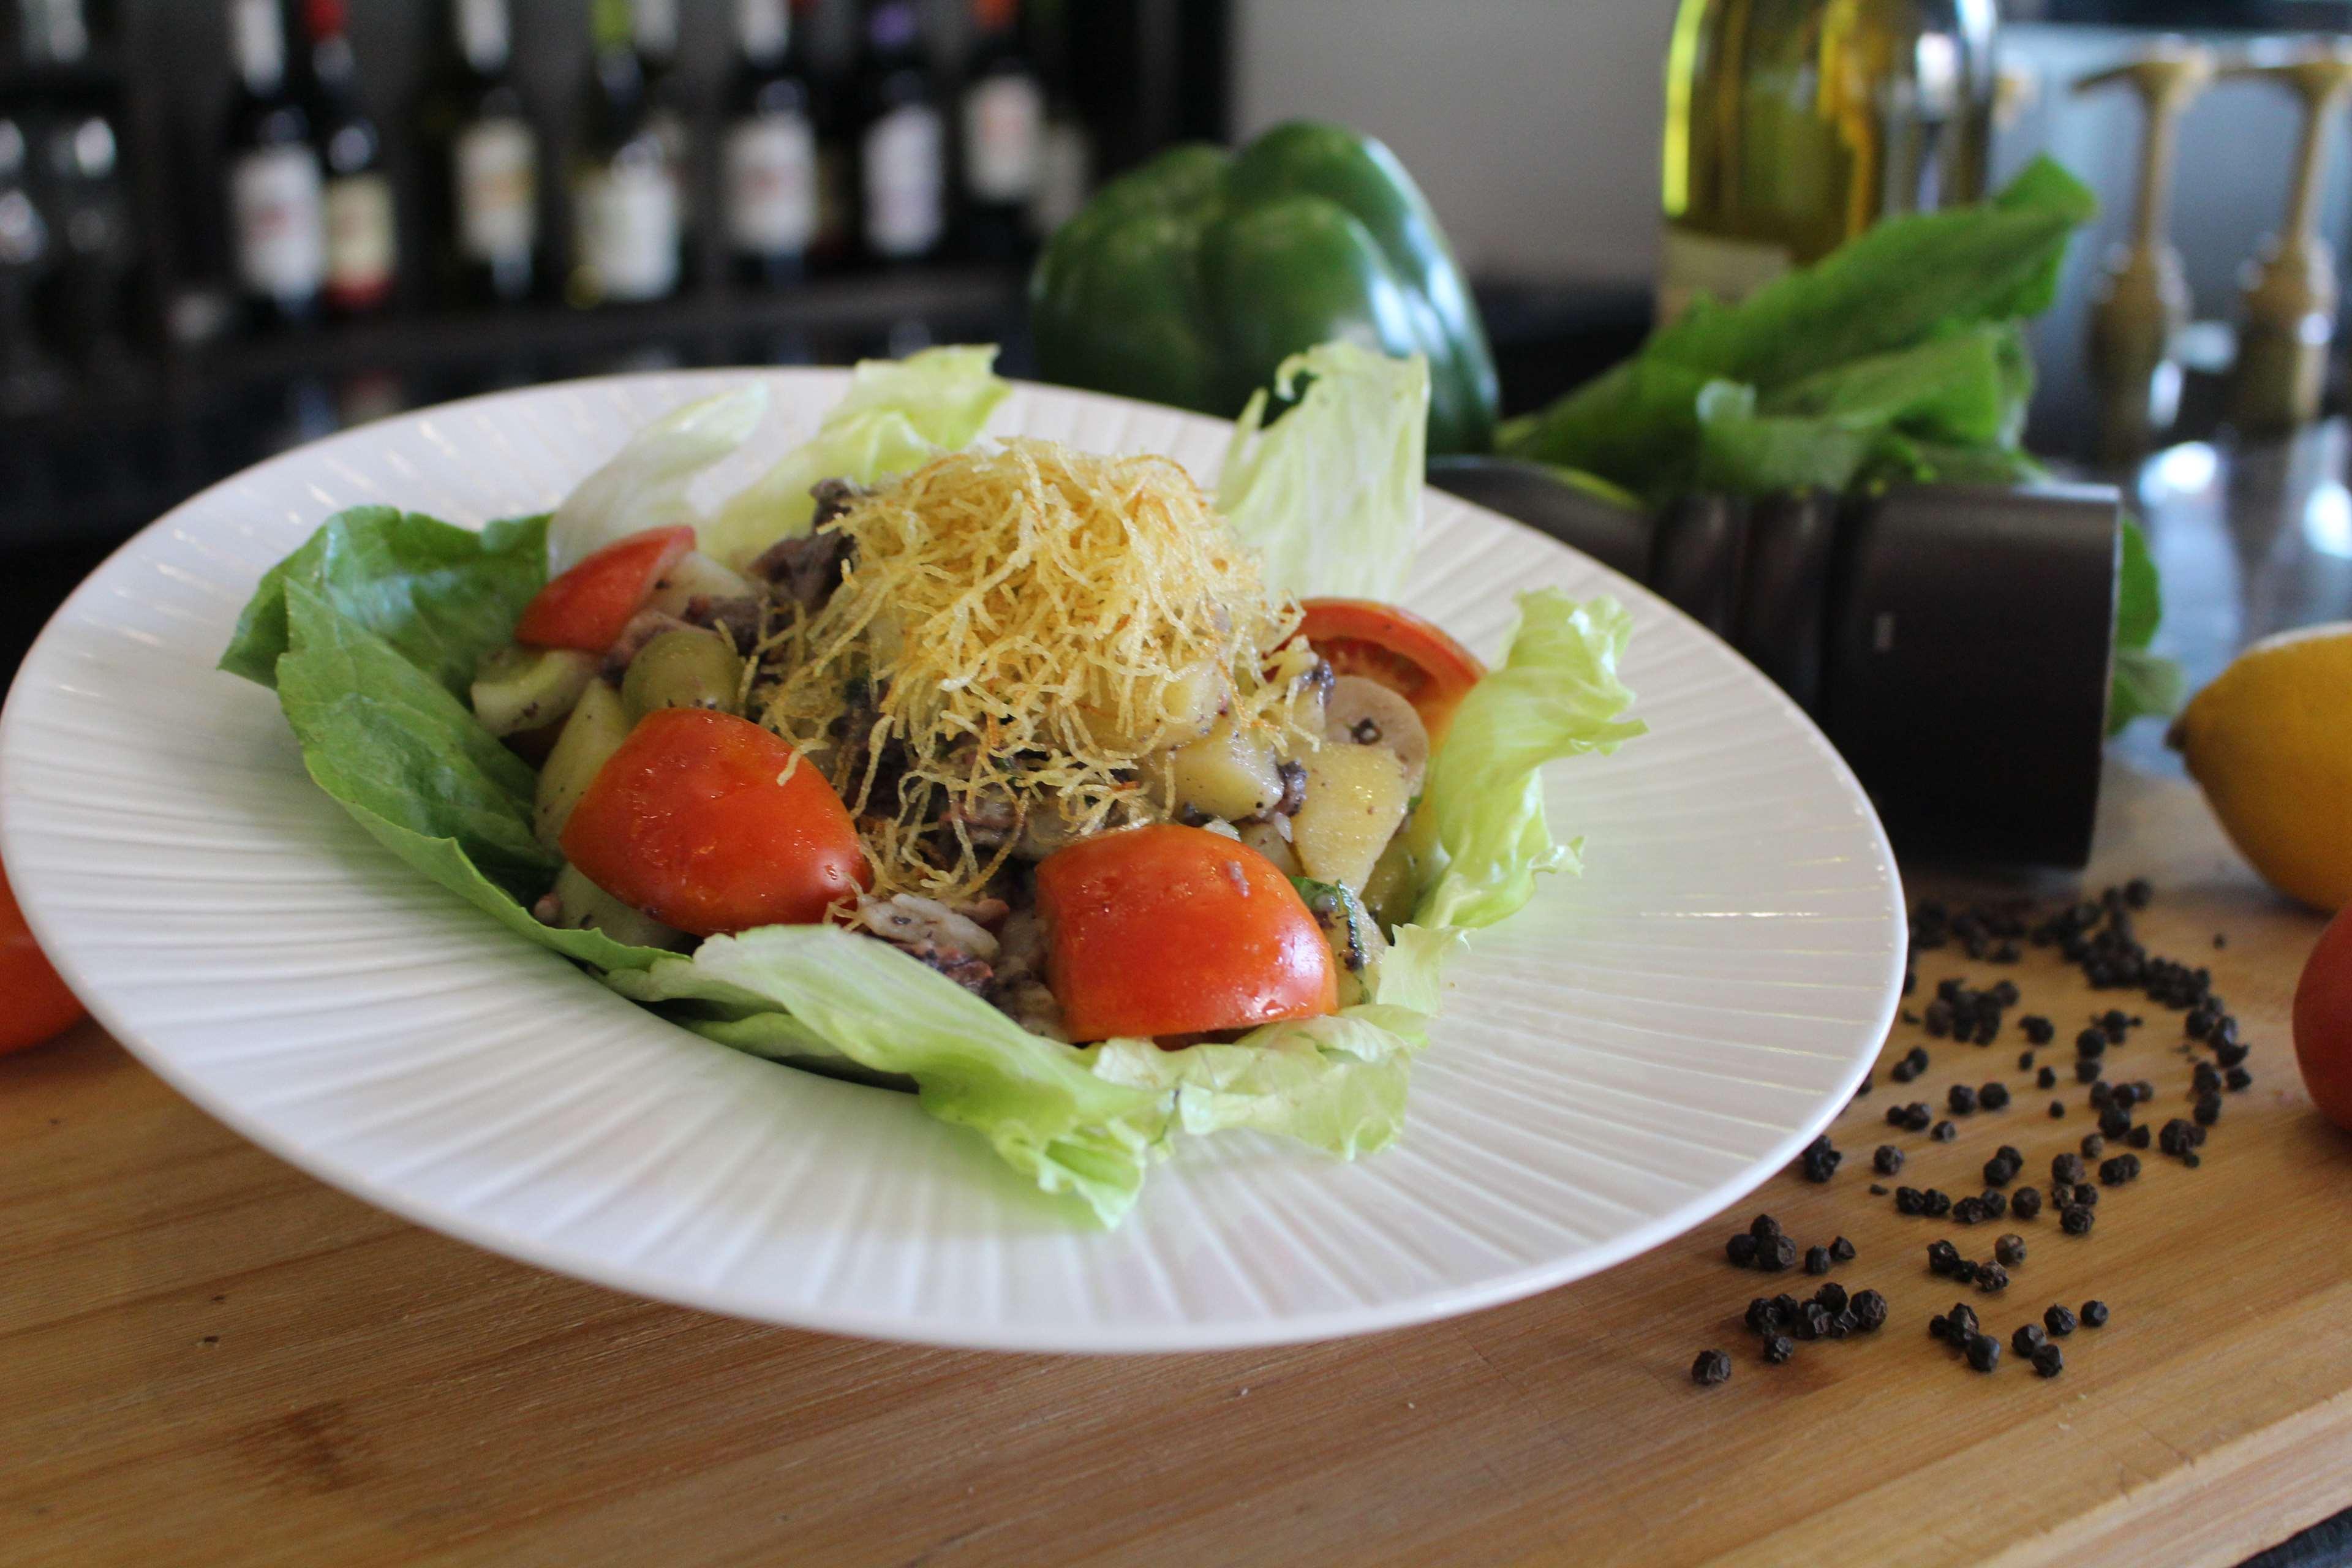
(2115,1121)
(1917,1116)
(1869,1310)
(2139,1137)
(2085,1196)
(1968,1211)
(1776,1255)
(2049,1361)
(1830,1298)
(1961,1099)
(2238,1078)
(2209,1110)
(2026,1203)
(2123,1168)
(1939,1327)
(2010,1249)
(1984,1353)
(1991,1279)
(2139,892)
(1817,1260)
(1887,1160)
(1763,1228)
(2075,1220)
(2092,1145)
(2086,1070)
(2094,1314)
(2091,1043)
(1820,1161)
(2057,1110)
(2058,1321)
(1777,1349)
(1762,1317)
(2038,1029)
(1742,1250)
(1842,1249)
(1964,1272)
(1711,1368)
(2066,1169)
(1910,1200)
(2205,1079)
(1993,1203)
(1962,1319)
(1999,1171)
(2028,1339)
(1993,1097)
(2046,1078)
(1944,1132)
(1941,1257)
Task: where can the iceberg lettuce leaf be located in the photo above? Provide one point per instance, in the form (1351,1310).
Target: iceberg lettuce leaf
(645,483)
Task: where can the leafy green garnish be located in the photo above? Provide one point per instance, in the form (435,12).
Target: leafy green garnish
(2146,685)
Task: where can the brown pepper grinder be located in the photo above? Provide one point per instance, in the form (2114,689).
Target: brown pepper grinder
(2142,301)
(2288,309)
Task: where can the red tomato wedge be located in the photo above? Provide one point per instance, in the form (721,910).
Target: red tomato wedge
(36,1003)
(2323,1022)
(710,824)
(1177,931)
(1416,659)
(587,608)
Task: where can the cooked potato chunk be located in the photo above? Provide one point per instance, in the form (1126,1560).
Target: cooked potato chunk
(1368,714)
(1230,772)
(1271,838)
(518,689)
(598,725)
(1356,797)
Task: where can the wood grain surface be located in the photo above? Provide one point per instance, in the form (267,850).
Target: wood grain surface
(208,1357)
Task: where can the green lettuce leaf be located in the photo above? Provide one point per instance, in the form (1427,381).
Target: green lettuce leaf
(1479,834)
(1329,494)
(645,483)
(897,415)
(440,595)
(1039,1103)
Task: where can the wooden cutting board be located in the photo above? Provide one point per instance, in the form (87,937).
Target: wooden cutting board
(208,1357)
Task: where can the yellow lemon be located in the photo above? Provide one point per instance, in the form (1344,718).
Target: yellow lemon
(2271,742)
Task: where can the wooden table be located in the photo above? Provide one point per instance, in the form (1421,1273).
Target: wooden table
(208,1357)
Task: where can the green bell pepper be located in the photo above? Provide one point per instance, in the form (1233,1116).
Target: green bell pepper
(1190,280)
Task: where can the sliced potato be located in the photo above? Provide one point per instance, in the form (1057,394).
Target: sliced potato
(1302,673)
(698,576)
(1368,714)
(687,668)
(1230,772)
(1356,798)
(1271,838)
(518,689)
(1161,713)
(598,725)
(577,904)
(1394,886)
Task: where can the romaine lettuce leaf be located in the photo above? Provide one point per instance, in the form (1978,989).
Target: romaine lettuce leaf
(1329,494)
(440,595)
(897,415)
(645,483)
(2144,684)
(1479,832)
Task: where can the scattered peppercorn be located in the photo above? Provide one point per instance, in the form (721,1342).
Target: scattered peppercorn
(2139,1136)
(2091,1043)
(1984,1353)
(2028,1339)
(2049,1361)
(1941,1257)
(1991,1279)
(2092,1145)
(2209,1110)
(2205,1081)
(1962,1319)
(1830,1298)
(1842,1249)
(2058,1321)
(2066,1169)
(1820,1160)
(1934,1204)
(2114,1023)
(1994,1202)
(2038,1029)
(1961,1099)
(1993,1097)
(2025,1062)
(2085,1196)
(2057,1110)
(2075,1220)
(2026,1203)
(1776,1255)
(2114,1121)
(1817,1260)
(1711,1368)
(1869,1310)
(1764,1315)
(1999,1171)
(2094,1314)
(2123,1168)
(2010,1249)
(1968,1211)
(1887,1161)
(1763,1228)
(2238,1078)
(1777,1349)
(2088,1071)
(2046,1078)
(1944,1132)
(1742,1250)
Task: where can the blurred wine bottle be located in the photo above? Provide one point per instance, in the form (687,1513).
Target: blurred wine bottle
(902,141)
(769,184)
(1064,146)
(28,378)
(668,108)
(624,202)
(1794,125)
(78,160)
(1003,127)
(277,219)
(482,162)
(363,246)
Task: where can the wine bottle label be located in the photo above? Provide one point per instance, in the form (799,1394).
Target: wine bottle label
(484,36)
(1716,265)
(628,229)
(360,245)
(497,188)
(1004,117)
(771,186)
(281,234)
(904,182)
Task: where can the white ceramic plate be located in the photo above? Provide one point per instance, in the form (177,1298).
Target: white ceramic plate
(1636,1050)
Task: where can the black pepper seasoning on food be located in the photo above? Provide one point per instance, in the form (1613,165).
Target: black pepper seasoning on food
(1711,1368)
(2058,1321)
(2094,1314)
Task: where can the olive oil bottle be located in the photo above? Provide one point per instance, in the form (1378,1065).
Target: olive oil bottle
(1794,125)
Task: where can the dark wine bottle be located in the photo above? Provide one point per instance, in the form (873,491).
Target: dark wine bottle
(482,163)
(902,141)
(624,201)
(277,219)
(770,172)
(1003,125)
(362,239)
(78,155)
(28,378)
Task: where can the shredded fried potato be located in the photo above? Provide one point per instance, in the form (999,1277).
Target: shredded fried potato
(1029,624)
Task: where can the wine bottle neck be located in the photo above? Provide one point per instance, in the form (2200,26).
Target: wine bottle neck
(259,40)
(763,30)
(484,36)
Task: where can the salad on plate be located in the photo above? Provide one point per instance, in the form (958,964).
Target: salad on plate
(1094,808)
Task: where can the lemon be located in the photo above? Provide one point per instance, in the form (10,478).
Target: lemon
(2270,743)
